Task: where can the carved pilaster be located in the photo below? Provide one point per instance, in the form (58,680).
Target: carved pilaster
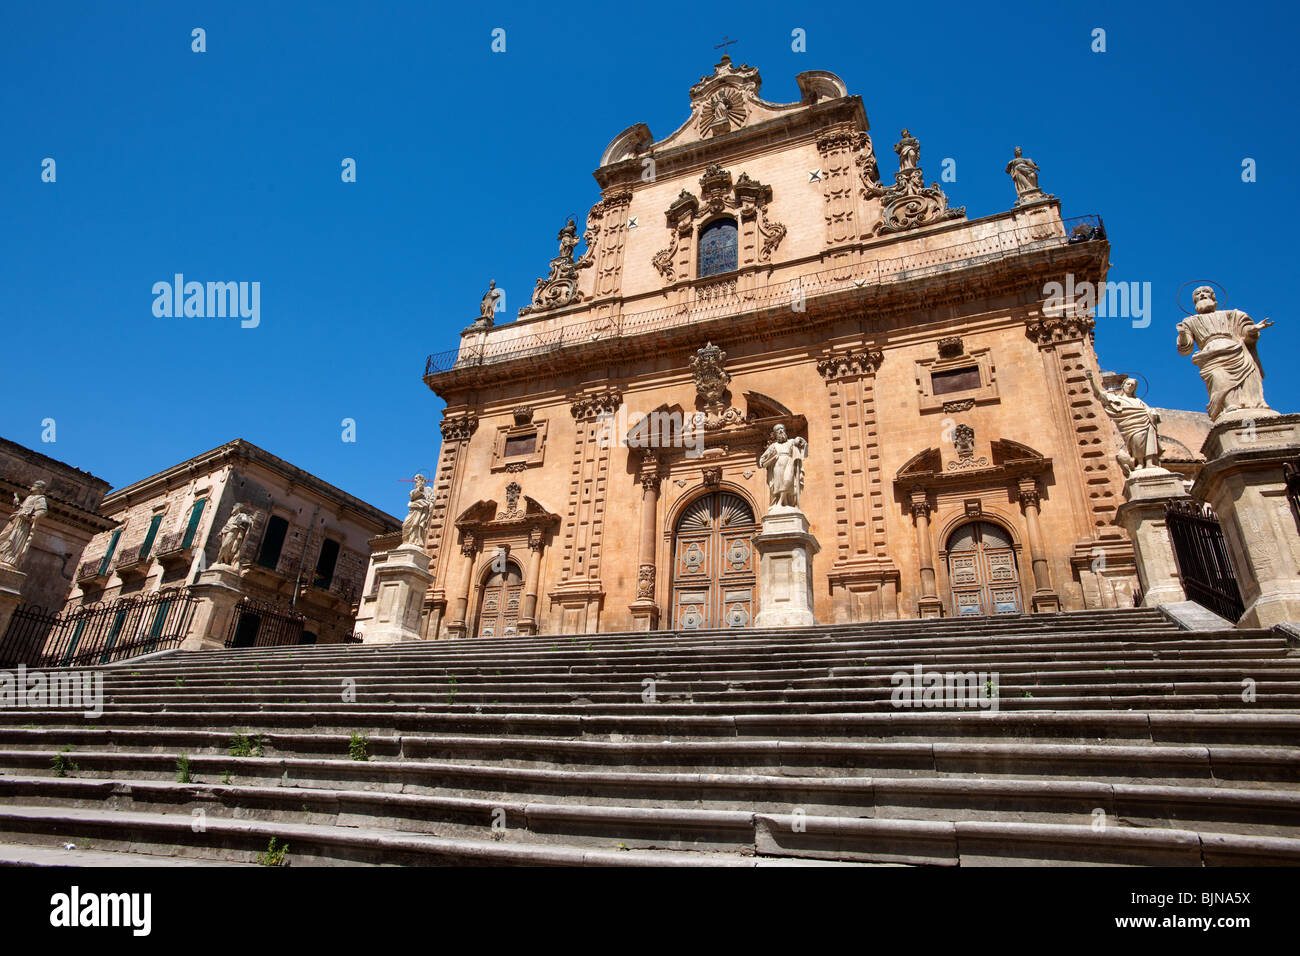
(842,153)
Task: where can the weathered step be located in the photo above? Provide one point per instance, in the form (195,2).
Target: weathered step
(170,834)
(982,843)
(1117,762)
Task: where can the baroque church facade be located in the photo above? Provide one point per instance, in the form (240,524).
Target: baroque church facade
(762,266)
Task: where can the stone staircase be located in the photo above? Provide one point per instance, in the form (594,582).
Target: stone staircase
(1117,739)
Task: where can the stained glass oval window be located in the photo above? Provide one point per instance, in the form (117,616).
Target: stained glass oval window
(718,247)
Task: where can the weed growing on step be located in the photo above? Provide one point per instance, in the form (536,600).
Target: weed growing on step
(183,769)
(179,681)
(359,747)
(225,778)
(241,746)
(62,764)
(276,854)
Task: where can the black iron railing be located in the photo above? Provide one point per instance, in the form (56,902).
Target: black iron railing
(504,346)
(97,633)
(1204,567)
(259,624)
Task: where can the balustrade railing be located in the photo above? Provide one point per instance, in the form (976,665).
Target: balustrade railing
(714,298)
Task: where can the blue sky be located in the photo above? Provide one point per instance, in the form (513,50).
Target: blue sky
(225,165)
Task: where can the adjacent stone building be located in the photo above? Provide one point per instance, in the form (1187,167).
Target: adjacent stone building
(304,554)
(61,535)
(763,266)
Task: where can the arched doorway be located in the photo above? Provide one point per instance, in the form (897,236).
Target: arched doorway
(982,570)
(499,599)
(714,563)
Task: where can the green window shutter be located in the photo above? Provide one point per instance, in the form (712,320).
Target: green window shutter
(108,555)
(195,514)
(154,522)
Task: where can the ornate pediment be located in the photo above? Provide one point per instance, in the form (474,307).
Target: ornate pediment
(721,102)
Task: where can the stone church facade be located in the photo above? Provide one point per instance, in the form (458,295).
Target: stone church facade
(765,265)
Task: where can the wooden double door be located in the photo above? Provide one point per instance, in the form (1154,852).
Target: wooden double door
(982,571)
(498,613)
(714,564)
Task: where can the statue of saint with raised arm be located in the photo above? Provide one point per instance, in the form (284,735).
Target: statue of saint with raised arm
(16,537)
(1136,423)
(416,526)
(1227,356)
(783,459)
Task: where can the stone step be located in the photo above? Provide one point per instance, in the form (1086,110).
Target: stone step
(1231,809)
(1125,761)
(800,836)
(1119,671)
(1278,728)
(225,839)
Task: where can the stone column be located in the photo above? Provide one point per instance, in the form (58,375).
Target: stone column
(459,625)
(400,585)
(929,605)
(11,586)
(1044,599)
(528,617)
(216,593)
(645,611)
(1147,493)
(1243,481)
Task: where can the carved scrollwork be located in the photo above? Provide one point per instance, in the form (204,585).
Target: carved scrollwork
(908,203)
(560,287)
(711,379)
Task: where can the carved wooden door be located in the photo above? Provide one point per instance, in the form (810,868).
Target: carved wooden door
(714,565)
(982,570)
(498,614)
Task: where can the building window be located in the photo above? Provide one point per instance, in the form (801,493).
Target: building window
(718,244)
(112,547)
(524,444)
(190,529)
(955,380)
(329,557)
(152,533)
(272,542)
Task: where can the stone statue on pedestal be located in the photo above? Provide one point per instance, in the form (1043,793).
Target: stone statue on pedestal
(1136,423)
(233,534)
(16,537)
(416,526)
(1228,360)
(783,459)
(1024,173)
(488,306)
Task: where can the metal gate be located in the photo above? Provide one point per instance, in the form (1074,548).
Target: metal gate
(1203,563)
(97,633)
(258,624)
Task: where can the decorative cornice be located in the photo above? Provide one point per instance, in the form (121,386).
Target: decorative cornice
(459,427)
(854,362)
(595,404)
(1049,330)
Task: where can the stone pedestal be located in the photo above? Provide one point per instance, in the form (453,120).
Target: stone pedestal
(645,615)
(401,582)
(11,587)
(216,593)
(1147,491)
(785,552)
(1243,482)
